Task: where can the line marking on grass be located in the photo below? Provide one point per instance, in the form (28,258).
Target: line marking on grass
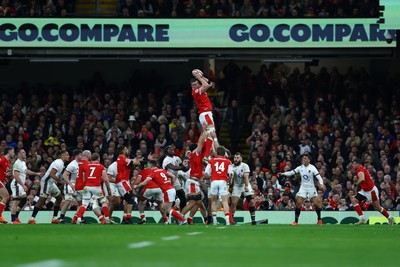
(168,238)
(48,263)
(221,227)
(194,233)
(141,244)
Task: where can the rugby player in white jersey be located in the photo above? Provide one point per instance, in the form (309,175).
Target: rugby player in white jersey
(241,185)
(18,187)
(69,175)
(114,198)
(48,186)
(172,164)
(307,189)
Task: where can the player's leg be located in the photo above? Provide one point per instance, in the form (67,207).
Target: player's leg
(4,196)
(225,205)
(38,206)
(299,203)
(125,190)
(252,207)
(318,204)
(19,199)
(55,192)
(356,204)
(377,206)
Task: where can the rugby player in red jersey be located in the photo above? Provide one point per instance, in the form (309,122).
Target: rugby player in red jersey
(164,180)
(368,191)
(95,173)
(5,171)
(219,169)
(200,85)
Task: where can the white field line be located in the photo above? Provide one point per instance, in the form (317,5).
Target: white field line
(140,244)
(168,238)
(194,233)
(47,263)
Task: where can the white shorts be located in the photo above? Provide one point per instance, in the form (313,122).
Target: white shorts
(219,188)
(48,188)
(238,190)
(114,191)
(17,191)
(308,192)
(372,195)
(192,186)
(123,187)
(170,195)
(92,192)
(157,193)
(206,118)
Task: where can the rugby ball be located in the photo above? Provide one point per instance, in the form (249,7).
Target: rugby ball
(197,72)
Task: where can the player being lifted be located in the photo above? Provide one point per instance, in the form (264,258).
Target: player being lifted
(200,84)
(307,189)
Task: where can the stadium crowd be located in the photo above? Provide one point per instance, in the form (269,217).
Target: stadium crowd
(286,112)
(202,8)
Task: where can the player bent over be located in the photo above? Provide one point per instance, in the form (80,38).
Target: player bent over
(307,189)
(94,174)
(163,179)
(368,191)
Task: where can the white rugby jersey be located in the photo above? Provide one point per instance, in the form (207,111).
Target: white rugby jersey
(20,166)
(58,165)
(238,173)
(73,169)
(307,174)
(176,161)
(112,170)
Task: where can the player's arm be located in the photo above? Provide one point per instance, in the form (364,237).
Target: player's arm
(171,177)
(174,168)
(246,181)
(66,175)
(53,175)
(200,143)
(18,179)
(110,178)
(145,182)
(137,180)
(361,178)
(207,172)
(288,173)
(230,173)
(104,177)
(205,82)
(320,181)
(29,172)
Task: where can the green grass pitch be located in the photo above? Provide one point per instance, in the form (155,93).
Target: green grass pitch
(199,245)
